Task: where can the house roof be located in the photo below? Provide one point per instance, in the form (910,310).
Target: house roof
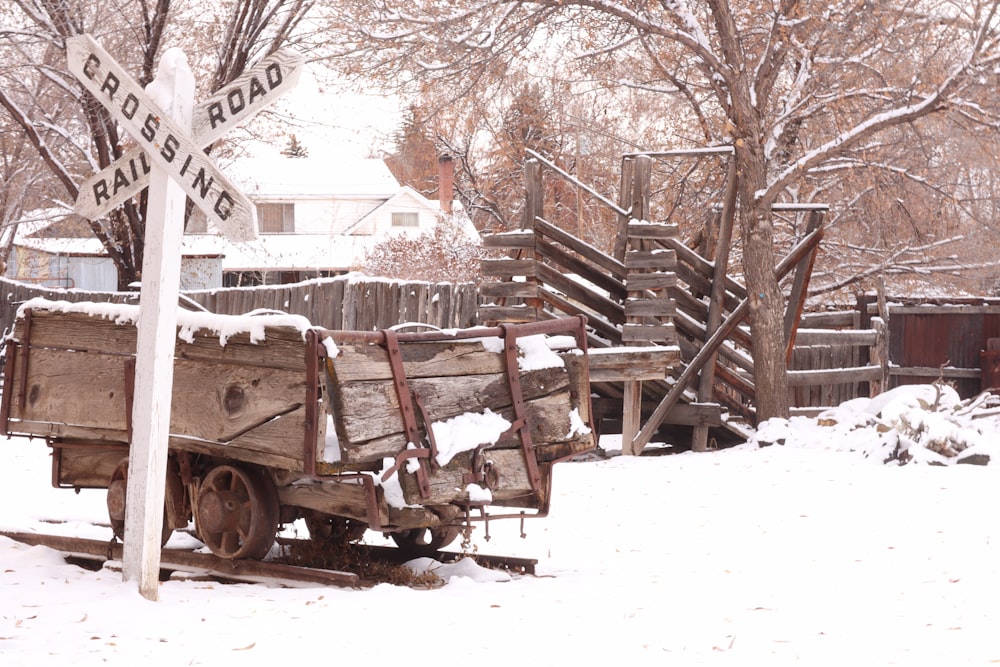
(280,177)
(281,252)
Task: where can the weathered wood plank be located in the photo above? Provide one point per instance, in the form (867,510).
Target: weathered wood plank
(76,331)
(548,418)
(221,401)
(571,264)
(651,230)
(73,388)
(447,486)
(650,307)
(660,259)
(654,333)
(806,337)
(370,409)
(86,465)
(212,401)
(337,498)
(835,376)
(637,282)
(508,267)
(515,314)
(589,253)
(370,361)
(683,414)
(631,363)
(609,309)
(508,290)
(513,240)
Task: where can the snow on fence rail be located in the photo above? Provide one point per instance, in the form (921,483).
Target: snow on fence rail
(346,303)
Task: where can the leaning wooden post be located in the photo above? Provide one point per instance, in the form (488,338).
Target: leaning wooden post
(717,300)
(534,187)
(625,202)
(159,119)
(800,288)
(154,374)
(800,250)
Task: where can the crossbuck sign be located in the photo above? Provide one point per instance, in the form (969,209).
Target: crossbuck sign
(172,148)
(171,161)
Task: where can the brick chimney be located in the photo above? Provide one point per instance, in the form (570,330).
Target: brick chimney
(446,183)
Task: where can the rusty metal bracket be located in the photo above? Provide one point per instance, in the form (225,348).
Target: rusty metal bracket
(5,397)
(482,471)
(428,429)
(510,333)
(399,382)
(403,457)
(313,351)
(129,395)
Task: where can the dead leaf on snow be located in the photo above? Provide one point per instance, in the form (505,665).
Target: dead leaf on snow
(246,648)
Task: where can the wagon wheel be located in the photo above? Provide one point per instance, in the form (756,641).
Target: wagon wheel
(237,512)
(336,529)
(117,490)
(425,541)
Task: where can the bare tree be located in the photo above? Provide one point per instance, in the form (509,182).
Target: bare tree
(445,253)
(70,133)
(802,89)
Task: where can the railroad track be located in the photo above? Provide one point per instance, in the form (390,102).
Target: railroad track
(89,551)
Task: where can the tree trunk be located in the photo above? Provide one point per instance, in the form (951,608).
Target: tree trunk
(767,304)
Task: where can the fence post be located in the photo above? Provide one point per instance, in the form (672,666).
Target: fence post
(880,350)
(640,173)
(625,202)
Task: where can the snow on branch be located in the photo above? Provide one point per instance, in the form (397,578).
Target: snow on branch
(867,128)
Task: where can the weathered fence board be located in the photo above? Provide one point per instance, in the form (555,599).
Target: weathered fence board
(348,303)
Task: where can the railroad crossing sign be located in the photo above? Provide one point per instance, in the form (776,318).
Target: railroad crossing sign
(159,118)
(173,149)
(257,89)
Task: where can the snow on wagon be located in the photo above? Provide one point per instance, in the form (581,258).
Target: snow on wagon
(414,434)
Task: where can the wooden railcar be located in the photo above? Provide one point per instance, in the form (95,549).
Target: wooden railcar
(273,419)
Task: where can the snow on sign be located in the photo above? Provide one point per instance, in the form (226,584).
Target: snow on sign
(167,145)
(259,87)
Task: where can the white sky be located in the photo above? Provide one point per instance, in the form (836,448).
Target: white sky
(335,121)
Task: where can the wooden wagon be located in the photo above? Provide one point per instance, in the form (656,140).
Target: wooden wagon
(414,434)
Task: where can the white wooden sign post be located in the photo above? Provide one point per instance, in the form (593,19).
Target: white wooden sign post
(170,159)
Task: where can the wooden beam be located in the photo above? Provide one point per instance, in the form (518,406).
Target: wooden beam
(713,343)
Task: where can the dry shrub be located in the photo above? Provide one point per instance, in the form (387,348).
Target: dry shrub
(341,555)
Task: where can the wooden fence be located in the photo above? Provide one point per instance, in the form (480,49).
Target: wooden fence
(346,303)
(834,360)
(850,353)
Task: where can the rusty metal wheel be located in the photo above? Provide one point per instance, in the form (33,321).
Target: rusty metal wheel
(418,542)
(328,528)
(117,491)
(237,512)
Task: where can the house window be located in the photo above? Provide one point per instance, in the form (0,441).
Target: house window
(405,219)
(276,218)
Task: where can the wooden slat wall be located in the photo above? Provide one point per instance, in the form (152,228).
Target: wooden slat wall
(335,303)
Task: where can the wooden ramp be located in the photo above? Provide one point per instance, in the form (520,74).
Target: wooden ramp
(668,337)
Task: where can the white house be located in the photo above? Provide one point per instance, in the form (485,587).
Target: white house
(316,217)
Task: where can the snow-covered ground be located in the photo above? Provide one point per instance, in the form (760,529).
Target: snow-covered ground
(810,552)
